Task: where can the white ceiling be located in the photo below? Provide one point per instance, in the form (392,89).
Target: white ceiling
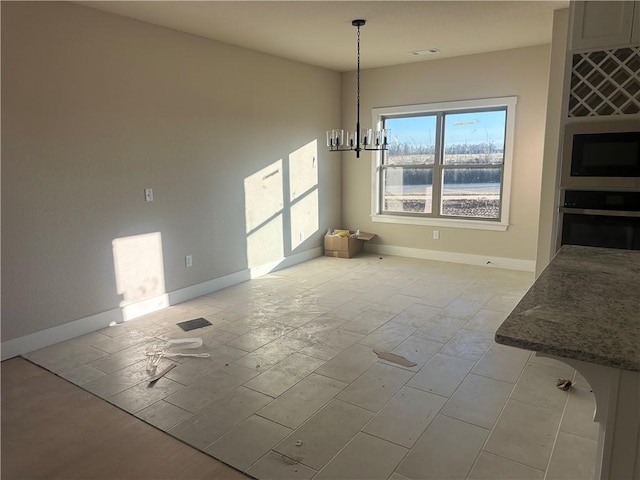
(320,32)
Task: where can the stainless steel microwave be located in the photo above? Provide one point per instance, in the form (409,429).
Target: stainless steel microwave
(602,154)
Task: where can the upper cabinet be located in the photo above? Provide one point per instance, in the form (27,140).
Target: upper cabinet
(599,24)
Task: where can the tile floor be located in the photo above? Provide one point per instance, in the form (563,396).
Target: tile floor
(293,389)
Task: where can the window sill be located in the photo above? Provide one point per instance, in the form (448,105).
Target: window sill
(441,222)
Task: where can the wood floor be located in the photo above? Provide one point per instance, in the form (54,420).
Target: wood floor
(53,429)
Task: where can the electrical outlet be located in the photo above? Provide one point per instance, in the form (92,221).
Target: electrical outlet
(188,261)
(436,234)
(148,195)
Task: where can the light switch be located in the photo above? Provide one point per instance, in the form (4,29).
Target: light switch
(148,195)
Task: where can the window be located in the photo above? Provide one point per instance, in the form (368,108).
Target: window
(447,164)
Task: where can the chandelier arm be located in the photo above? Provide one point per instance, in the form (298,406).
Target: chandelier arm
(340,149)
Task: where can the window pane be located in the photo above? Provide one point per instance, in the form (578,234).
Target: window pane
(407,190)
(471,192)
(413,140)
(475,138)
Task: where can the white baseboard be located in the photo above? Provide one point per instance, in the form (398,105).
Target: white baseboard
(60,333)
(453,257)
(210,286)
(148,305)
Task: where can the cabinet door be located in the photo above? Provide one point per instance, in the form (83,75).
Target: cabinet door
(601,24)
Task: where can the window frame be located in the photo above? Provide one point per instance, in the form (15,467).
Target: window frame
(441,108)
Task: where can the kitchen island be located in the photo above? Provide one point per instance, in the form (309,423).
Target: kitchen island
(584,310)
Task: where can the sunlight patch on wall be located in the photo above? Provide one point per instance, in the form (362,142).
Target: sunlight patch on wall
(263,199)
(139,270)
(266,244)
(304,219)
(303,170)
(303,193)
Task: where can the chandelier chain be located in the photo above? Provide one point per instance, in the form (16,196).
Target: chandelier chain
(358,80)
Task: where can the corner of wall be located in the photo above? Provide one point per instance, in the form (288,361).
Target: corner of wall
(547,221)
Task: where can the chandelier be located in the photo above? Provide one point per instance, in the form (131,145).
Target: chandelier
(339,140)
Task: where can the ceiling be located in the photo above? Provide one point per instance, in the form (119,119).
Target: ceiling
(320,32)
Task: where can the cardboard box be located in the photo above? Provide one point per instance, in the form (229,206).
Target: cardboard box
(345,247)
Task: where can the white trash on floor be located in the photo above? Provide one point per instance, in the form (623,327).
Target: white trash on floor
(156,352)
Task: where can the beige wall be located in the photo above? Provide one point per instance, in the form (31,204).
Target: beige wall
(520,72)
(547,230)
(95,108)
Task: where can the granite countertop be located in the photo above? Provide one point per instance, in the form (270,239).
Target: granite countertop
(584,306)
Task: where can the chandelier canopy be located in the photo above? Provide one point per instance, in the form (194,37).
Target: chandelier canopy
(339,140)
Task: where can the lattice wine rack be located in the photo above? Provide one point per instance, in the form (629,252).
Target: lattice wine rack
(606,82)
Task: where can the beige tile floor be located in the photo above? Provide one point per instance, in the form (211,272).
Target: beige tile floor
(293,388)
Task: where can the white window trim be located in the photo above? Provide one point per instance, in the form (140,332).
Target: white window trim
(503,223)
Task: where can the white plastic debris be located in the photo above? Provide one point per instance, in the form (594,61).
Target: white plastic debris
(184,342)
(155,353)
